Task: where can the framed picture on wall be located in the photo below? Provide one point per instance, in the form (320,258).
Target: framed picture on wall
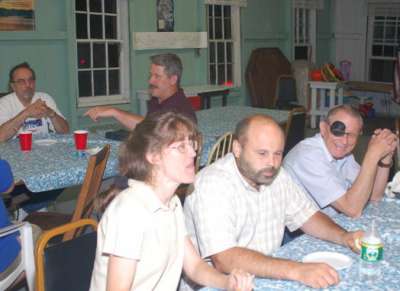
(17,15)
(165,15)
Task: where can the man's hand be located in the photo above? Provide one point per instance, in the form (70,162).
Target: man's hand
(239,280)
(382,143)
(352,240)
(100,111)
(316,275)
(37,109)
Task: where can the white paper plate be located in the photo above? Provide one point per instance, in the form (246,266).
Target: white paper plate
(336,260)
(45,142)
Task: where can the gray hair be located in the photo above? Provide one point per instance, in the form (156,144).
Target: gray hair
(353,112)
(172,65)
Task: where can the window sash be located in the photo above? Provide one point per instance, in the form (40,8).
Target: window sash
(120,72)
(382,44)
(220,71)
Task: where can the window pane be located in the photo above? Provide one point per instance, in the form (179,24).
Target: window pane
(85,83)
(378,32)
(221,52)
(388,51)
(221,74)
(95,5)
(81,26)
(110,6)
(99,55)
(99,83)
(111,27)
(96,26)
(377,50)
(227,27)
(390,33)
(212,52)
(210,29)
(227,11)
(213,77)
(300,53)
(217,10)
(229,52)
(113,55)
(210,11)
(229,73)
(381,70)
(80,5)
(83,55)
(113,81)
(218,28)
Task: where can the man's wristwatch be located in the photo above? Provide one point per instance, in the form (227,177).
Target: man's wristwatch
(383,165)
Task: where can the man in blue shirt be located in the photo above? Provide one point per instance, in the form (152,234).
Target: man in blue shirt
(325,167)
(9,245)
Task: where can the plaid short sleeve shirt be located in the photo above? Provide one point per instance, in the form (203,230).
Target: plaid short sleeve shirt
(224,211)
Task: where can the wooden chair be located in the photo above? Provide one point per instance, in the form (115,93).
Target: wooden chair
(26,263)
(84,205)
(66,265)
(221,147)
(295,128)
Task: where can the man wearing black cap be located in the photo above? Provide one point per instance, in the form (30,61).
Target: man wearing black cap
(325,166)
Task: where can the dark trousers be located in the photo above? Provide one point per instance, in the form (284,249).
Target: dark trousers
(36,200)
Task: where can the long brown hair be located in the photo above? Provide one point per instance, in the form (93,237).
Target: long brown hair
(156,131)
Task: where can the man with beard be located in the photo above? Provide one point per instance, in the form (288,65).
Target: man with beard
(325,167)
(164,87)
(27,110)
(241,204)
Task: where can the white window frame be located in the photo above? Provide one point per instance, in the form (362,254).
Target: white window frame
(235,41)
(382,10)
(123,39)
(305,35)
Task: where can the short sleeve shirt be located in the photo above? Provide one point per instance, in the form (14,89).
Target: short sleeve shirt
(224,211)
(10,106)
(324,178)
(177,102)
(137,226)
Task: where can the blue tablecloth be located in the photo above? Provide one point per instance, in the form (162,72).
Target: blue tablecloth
(55,166)
(387,218)
(214,122)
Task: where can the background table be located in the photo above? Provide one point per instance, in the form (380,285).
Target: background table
(387,218)
(55,166)
(214,122)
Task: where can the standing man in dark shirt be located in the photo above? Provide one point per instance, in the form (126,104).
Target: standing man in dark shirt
(164,87)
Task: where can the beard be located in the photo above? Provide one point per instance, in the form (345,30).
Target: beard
(264,176)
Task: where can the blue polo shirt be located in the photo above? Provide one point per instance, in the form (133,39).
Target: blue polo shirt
(9,245)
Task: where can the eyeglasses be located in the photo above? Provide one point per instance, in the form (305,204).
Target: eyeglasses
(338,129)
(21,82)
(184,146)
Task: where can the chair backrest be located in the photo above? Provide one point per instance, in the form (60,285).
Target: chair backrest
(90,187)
(27,263)
(285,91)
(262,71)
(221,147)
(66,265)
(295,128)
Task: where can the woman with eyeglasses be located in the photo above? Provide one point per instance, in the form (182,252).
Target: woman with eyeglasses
(142,242)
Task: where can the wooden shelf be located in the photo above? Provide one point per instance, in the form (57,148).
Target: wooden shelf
(169,40)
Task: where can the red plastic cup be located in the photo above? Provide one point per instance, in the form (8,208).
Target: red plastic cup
(25,141)
(80,139)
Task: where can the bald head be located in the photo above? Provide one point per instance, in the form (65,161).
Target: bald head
(258,149)
(252,125)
